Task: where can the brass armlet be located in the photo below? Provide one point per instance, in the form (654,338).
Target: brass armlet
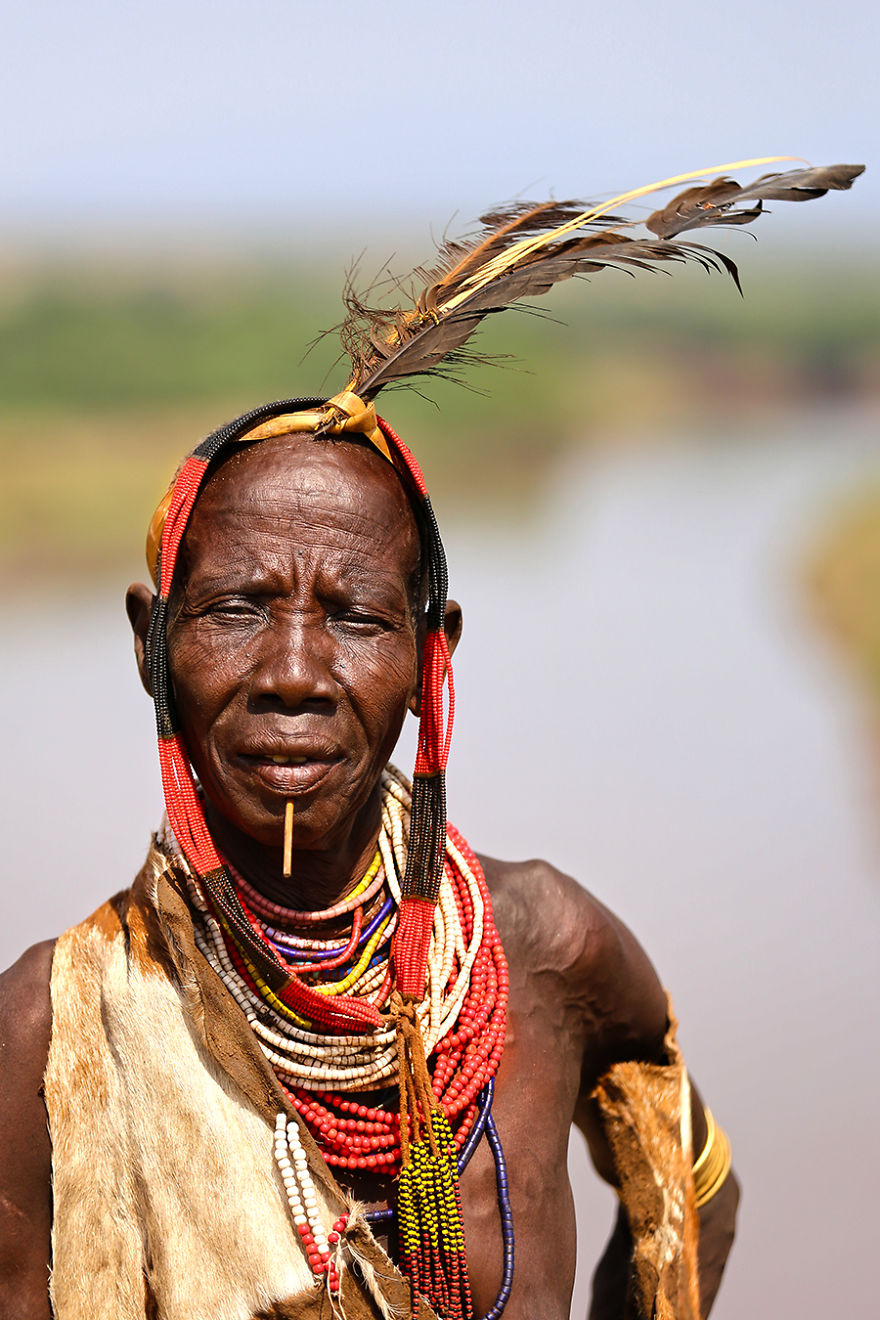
(713,1163)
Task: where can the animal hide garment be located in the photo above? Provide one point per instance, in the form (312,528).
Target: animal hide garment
(168,1204)
(646,1114)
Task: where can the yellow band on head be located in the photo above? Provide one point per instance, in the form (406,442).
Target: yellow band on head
(345,414)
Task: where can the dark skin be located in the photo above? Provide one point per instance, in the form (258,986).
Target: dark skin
(306,647)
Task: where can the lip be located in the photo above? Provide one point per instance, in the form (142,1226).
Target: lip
(293,778)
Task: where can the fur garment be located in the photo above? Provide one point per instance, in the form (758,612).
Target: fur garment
(168,1203)
(646,1114)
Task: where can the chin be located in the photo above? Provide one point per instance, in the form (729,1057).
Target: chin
(317,824)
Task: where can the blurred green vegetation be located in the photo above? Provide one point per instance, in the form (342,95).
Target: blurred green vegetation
(110,372)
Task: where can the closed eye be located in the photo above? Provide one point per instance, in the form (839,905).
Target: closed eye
(363,621)
(232,608)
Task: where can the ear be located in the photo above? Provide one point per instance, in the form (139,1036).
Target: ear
(452,624)
(139,606)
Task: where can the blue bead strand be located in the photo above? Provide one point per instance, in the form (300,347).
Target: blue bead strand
(486,1096)
(506,1220)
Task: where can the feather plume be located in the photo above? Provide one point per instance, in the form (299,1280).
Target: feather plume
(522,250)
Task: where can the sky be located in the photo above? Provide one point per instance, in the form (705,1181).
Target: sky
(203,120)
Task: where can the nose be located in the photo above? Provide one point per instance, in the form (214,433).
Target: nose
(294,666)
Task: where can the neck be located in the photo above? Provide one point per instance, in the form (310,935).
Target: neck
(320,876)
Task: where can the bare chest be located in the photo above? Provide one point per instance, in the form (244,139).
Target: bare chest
(526,1177)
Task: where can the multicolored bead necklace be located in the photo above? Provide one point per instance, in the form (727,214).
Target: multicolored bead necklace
(458,1026)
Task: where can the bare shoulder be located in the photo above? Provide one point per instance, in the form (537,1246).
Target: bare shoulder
(25,1004)
(25,1149)
(26,1011)
(554,928)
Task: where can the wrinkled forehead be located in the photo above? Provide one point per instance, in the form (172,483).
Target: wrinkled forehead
(304,489)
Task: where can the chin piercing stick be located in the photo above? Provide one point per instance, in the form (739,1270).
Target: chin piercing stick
(288,840)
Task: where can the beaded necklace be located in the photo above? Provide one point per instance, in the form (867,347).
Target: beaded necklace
(460,1021)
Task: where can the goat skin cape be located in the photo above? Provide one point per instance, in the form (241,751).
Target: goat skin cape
(168,1204)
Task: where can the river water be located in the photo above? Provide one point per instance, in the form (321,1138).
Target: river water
(643,699)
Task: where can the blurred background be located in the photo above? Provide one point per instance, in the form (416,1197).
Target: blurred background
(662,510)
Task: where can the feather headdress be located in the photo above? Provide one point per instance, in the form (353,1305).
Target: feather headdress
(520,252)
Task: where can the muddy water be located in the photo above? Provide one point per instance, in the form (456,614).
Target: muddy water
(643,700)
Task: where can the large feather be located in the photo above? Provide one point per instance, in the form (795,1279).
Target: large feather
(523,250)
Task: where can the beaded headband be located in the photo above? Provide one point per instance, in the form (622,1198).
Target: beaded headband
(520,252)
